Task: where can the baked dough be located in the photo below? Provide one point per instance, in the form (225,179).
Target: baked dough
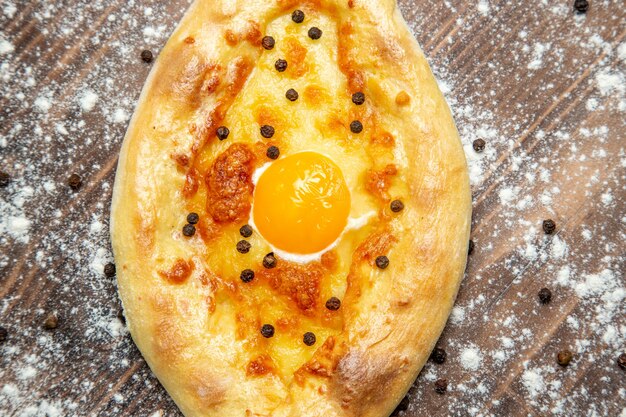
(195,320)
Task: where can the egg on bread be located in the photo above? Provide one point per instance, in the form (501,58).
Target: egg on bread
(331,210)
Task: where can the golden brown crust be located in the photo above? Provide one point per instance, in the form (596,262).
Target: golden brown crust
(196,323)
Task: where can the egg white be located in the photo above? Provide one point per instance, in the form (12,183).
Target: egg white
(354,223)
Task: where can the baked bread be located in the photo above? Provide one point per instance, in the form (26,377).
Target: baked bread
(291,210)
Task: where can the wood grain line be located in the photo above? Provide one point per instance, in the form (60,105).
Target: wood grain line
(38,38)
(15,21)
(531,264)
(15,272)
(443,30)
(61,63)
(115,388)
(533,127)
(464,46)
(480,56)
(555,324)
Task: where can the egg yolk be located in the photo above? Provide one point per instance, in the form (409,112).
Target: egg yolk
(301,203)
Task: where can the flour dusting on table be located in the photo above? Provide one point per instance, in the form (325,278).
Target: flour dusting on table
(540,97)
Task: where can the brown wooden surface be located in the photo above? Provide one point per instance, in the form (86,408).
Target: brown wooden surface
(542,86)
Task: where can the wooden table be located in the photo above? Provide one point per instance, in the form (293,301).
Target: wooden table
(543,86)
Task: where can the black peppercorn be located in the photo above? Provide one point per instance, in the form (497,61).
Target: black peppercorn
(247,275)
(193,218)
(315,33)
(243,246)
(545,295)
(358,98)
(222,132)
(5,179)
(268,42)
(109,270)
(581,6)
(51,322)
(280,65)
(74,181)
(470,248)
(292,95)
(245,231)
(267,330)
(396,206)
(478,145)
(438,355)
(272,152)
(269,260)
(441,385)
(267,131)
(549,226)
(564,357)
(621,360)
(297,16)
(146,56)
(382,262)
(403,406)
(189,230)
(333,303)
(120,316)
(309,339)
(4,334)
(356,126)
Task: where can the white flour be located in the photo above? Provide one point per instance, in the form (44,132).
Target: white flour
(523,176)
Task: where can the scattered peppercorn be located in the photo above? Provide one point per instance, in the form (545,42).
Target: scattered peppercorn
(272,152)
(470,249)
(5,179)
(74,181)
(222,132)
(267,330)
(356,126)
(358,98)
(333,303)
(297,16)
(564,357)
(479,145)
(280,65)
(309,339)
(120,316)
(292,95)
(441,385)
(438,355)
(269,260)
(247,275)
(581,6)
(193,218)
(4,334)
(545,295)
(403,406)
(382,262)
(621,360)
(315,33)
(245,231)
(396,206)
(243,246)
(267,131)
(51,322)
(189,230)
(549,226)
(268,42)
(109,270)
(146,56)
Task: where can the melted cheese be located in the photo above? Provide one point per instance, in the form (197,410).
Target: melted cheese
(199,326)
